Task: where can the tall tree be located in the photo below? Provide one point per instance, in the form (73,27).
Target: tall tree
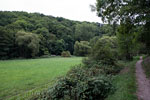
(105,50)
(115,10)
(82,48)
(6,43)
(28,44)
(84,31)
(138,11)
(125,40)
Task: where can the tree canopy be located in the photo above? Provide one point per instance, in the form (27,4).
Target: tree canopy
(120,10)
(56,34)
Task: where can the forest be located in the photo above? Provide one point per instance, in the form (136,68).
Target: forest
(77,60)
(30,35)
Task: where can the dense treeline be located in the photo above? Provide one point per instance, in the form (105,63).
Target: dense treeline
(29,35)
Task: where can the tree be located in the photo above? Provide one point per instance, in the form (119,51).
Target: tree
(84,31)
(56,46)
(145,36)
(28,44)
(125,41)
(69,43)
(105,50)
(51,30)
(138,11)
(115,10)
(43,49)
(108,29)
(94,40)
(82,48)
(6,43)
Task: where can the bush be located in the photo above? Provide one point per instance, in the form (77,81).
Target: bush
(96,88)
(65,54)
(105,50)
(80,84)
(82,48)
(104,68)
(146,66)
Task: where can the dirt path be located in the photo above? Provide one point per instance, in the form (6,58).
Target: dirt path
(143,83)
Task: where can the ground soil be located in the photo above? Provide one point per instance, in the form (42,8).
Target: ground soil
(143,91)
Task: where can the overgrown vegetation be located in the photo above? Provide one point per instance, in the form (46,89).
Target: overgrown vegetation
(65,54)
(82,48)
(80,84)
(146,66)
(125,82)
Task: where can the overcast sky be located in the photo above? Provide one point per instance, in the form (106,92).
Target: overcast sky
(70,9)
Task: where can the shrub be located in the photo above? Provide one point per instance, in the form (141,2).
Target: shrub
(65,54)
(104,68)
(146,66)
(80,84)
(96,88)
(82,48)
(105,50)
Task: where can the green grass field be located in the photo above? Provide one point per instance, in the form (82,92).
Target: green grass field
(20,76)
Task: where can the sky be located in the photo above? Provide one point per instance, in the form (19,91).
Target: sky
(71,9)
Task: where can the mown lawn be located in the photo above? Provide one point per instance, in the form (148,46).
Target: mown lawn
(19,76)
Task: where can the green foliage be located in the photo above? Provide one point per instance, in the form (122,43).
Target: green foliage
(145,37)
(104,68)
(44,31)
(43,49)
(108,29)
(82,48)
(111,10)
(28,44)
(94,40)
(56,34)
(105,50)
(125,36)
(57,47)
(104,55)
(121,11)
(6,43)
(84,31)
(80,84)
(146,66)
(65,54)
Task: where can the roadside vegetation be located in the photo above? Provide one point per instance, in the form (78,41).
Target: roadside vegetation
(125,82)
(146,66)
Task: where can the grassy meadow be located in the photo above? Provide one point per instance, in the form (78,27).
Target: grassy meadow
(20,76)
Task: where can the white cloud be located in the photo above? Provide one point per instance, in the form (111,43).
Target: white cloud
(70,9)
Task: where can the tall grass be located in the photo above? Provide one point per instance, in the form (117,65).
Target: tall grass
(125,83)
(146,66)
